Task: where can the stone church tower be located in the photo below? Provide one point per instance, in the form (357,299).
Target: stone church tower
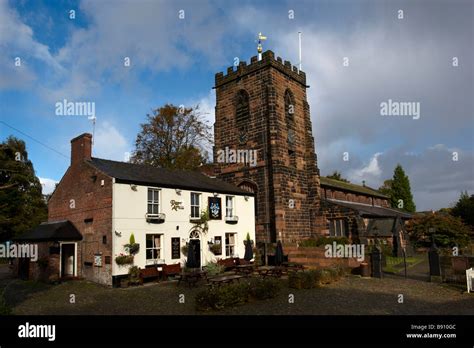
(262,109)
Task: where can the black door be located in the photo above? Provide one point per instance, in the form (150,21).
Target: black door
(23,268)
(196,245)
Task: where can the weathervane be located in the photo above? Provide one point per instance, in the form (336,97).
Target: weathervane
(259,46)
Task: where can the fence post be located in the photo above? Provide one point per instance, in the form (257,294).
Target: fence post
(435,264)
(376,261)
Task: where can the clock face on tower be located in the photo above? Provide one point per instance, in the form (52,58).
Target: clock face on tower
(242,137)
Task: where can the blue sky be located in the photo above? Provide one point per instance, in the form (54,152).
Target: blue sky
(174,60)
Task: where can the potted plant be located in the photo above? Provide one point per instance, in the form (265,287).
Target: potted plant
(216,249)
(248,240)
(184,249)
(132,247)
(134,275)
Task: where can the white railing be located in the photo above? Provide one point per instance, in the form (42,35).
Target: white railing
(155,217)
(233,218)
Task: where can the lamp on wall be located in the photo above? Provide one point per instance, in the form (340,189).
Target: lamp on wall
(246,198)
(178,191)
(133,187)
(215,194)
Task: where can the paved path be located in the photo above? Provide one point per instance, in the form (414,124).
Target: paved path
(420,271)
(351,295)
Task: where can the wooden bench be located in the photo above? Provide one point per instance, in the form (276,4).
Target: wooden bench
(171,270)
(150,272)
(227,263)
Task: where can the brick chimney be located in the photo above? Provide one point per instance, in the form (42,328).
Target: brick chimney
(81,148)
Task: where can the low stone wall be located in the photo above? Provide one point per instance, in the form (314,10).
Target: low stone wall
(314,257)
(453,268)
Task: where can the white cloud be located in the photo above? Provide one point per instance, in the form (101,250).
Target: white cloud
(109,143)
(370,172)
(48,185)
(150,34)
(18,38)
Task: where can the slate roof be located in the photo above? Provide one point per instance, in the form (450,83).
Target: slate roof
(381,227)
(340,185)
(51,231)
(372,211)
(130,173)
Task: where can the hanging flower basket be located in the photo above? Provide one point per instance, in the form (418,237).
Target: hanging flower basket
(184,249)
(124,259)
(216,249)
(132,248)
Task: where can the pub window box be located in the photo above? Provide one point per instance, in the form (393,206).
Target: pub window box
(195,219)
(155,218)
(231,219)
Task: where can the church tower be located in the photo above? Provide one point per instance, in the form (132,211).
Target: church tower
(261,109)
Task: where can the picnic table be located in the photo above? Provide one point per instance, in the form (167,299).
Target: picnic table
(272,271)
(226,279)
(191,277)
(245,270)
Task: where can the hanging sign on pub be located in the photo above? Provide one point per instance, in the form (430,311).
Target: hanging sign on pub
(175,248)
(215,208)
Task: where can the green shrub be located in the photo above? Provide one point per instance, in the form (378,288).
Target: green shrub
(232,295)
(222,297)
(206,300)
(340,270)
(325,276)
(295,280)
(214,268)
(304,280)
(4,308)
(309,279)
(263,289)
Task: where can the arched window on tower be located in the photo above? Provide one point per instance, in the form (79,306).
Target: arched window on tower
(290,125)
(242,112)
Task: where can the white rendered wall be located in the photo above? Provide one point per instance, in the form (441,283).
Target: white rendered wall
(130,207)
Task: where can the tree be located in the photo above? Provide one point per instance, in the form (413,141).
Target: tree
(337,176)
(464,208)
(400,191)
(22,206)
(386,188)
(173,138)
(446,230)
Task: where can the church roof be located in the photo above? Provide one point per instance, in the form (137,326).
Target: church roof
(131,173)
(366,210)
(383,227)
(341,185)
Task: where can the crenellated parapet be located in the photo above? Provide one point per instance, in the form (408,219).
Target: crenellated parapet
(268,59)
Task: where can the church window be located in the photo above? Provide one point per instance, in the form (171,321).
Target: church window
(338,228)
(242,112)
(290,125)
